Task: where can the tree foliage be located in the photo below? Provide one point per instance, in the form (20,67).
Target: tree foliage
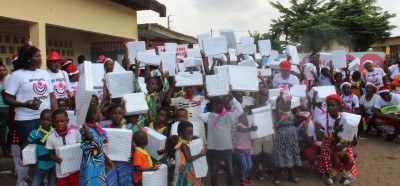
(315,24)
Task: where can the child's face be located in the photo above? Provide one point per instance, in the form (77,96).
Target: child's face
(238,96)
(53,65)
(346,90)
(132,119)
(338,77)
(117,115)
(370,89)
(46,121)
(60,122)
(63,105)
(74,78)
(94,101)
(218,104)
(243,118)
(332,106)
(97,115)
(161,116)
(152,86)
(326,73)
(109,66)
(188,134)
(182,116)
(189,91)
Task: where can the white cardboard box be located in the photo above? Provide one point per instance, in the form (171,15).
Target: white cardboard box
(200,165)
(274,64)
(217,85)
(265,72)
(29,154)
(308,68)
(189,62)
(221,69)
(247,40)
(134,48)
(230,37)
(135,103)
(339,59)
(156,178)
(354,64)
(120,83)
(249,62)
(263,121)
(264,46)
(274,92)
(171,47)
(149,58)
(118,67)
(119,144)
(246,49)
(323,92)
(295,102)
(184,80)
(84,93)
(292,51)
(193,53)
(299,91)
(243,78)
(200,38)
(174,129)
(169,62)
(274,56)
(98,74)
(72,118)
(156,142)
(247,101)
(71,156)
(215,45)
(350,124)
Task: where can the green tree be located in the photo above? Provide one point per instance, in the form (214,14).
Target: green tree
(276,43)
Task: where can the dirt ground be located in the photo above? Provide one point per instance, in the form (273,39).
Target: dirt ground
(377,163)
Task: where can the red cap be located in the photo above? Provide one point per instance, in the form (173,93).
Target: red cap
(71,70)
(103,59)
(384,89)
(53,56)
(66,62)
(14,57)
(285,65)
(335,97)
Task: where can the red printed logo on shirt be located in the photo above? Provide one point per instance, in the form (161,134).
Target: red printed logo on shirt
(39,88)
(60,90)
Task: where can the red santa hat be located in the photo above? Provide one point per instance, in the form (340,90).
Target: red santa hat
(65,62)
(384,89)
(335,97)
(72,70)
(53,56)
(103,59)
(14,57)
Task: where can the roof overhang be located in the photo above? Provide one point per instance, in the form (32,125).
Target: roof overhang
(144,5)
(157,32)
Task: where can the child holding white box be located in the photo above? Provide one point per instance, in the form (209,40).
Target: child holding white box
(63,135)
(44,165)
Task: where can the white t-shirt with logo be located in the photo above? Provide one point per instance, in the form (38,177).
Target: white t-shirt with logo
(395,70)
(351,102)
(331,124)
(29,85)
(278,82)
(374,77)
(74,88)
(368,105)
(380,103)
(60,81)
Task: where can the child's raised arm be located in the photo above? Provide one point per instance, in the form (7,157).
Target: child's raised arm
(200,112)
(190,158)
(88,134)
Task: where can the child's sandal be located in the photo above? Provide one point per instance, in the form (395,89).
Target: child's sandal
(345,182)
(329,181)
(295,180)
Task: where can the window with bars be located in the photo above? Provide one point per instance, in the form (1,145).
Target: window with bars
(394,50)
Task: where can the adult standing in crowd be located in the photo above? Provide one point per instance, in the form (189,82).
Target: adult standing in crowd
(30,92)
(59,78)
(4,114)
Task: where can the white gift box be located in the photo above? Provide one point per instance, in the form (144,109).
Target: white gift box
(148,58)
(181,67)
(258,58)
(151,52)
(274,64)
(71,157)
(323,92)
(168,62)
(295,102)
(264,47)
(265,72)
(196,129)
(350,126)
(98,74)
(84,92)
(263,121)
(200,38)
(354,64)
(118,67)
(339,59)
(156,142)
(299,91)
(193,53)
(200,165)
(230,37)
(249,62)
(221,69)
(274,92)
(246,49)
(232,56)
(120,83)
(274,56)
(217,85)
(261,109)
(186,80)
(308,68)
(325,57)
(247,40)
(135,103)
(119,144)
(156,178)
(170,47)
(134,48)
(189,62)
(198,61)
(247,100)
(71,117)
(243,78)
(292,51)
(29,154)
(215,45)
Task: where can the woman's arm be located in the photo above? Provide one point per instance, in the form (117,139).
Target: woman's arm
(10,100)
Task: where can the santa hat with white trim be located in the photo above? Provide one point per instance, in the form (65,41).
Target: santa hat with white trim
(383,89)
(72,70)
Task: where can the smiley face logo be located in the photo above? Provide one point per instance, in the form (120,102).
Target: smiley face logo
(60,90)
(39,88)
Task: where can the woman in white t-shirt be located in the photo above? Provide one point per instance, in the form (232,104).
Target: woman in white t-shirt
(394,70)
(367,102)
(285,79)
(30,92)
(350,101)
(373,74)
(59,78)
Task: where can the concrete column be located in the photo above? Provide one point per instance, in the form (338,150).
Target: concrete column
(37,33)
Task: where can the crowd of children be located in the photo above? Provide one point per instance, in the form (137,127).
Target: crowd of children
(308,132)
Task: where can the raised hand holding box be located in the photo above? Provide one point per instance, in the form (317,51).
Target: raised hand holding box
(134,48)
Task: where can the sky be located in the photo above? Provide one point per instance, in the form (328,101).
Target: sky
(193,17)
